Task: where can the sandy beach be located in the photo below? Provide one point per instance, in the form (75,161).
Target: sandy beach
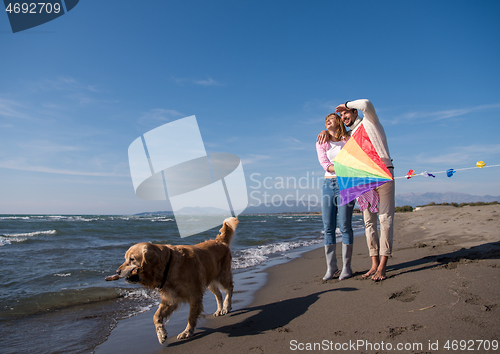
(441,295)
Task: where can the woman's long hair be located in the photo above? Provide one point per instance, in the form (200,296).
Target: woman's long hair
(341,132)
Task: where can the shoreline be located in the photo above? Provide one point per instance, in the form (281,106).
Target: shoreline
(442,286)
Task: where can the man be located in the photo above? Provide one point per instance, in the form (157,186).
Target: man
(380,248)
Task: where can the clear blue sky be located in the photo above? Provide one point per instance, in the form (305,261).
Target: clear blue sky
(260,76)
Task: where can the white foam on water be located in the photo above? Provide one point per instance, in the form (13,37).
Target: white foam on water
(143,298)
(161,219)
(31,234)
(14,217)
(138,310)
(86,219)
(139,293)
(7,239)
(253,256)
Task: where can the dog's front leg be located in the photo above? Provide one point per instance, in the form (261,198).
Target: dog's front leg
(195,308)
(164,311)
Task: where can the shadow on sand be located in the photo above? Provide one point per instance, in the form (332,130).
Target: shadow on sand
(448,260)
(271,316)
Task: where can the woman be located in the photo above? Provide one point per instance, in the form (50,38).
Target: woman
(330,200)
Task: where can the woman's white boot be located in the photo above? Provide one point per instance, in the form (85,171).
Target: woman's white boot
(346,260)
(331,262)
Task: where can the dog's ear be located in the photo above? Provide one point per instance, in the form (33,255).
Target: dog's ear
(166,254)
(144,255)
(149,254)
(222,232)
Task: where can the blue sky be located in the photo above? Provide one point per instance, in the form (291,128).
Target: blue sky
(260,77)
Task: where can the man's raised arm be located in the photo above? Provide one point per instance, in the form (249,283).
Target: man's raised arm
(361,105)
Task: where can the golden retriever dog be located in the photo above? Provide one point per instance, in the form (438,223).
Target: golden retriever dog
(182,274)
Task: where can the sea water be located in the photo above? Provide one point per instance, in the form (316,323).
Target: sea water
(53,296)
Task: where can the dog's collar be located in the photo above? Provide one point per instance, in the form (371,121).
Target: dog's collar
(165,273)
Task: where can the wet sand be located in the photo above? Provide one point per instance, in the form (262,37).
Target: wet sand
(442,287)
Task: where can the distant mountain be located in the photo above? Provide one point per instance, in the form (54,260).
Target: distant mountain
(415,199)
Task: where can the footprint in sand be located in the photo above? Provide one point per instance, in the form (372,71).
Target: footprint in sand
(408,294)
(476,300)
(396,331)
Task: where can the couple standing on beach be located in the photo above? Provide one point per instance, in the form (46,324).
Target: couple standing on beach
(328,145)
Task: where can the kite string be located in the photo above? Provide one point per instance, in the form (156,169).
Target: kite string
(458,169)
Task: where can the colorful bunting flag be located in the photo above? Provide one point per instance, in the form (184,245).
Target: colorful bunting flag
(449,173)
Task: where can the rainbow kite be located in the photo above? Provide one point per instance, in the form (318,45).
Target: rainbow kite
(358,167)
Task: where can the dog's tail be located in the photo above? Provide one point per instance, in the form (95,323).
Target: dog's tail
(227,230)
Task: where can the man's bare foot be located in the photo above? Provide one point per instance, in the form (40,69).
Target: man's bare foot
(379,275)
(371,272)
(373,269)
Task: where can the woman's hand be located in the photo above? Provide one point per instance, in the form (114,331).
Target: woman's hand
(323,137)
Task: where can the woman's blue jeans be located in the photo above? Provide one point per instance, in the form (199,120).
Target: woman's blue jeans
(330,206)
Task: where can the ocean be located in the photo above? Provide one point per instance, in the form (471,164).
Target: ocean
(54,298)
